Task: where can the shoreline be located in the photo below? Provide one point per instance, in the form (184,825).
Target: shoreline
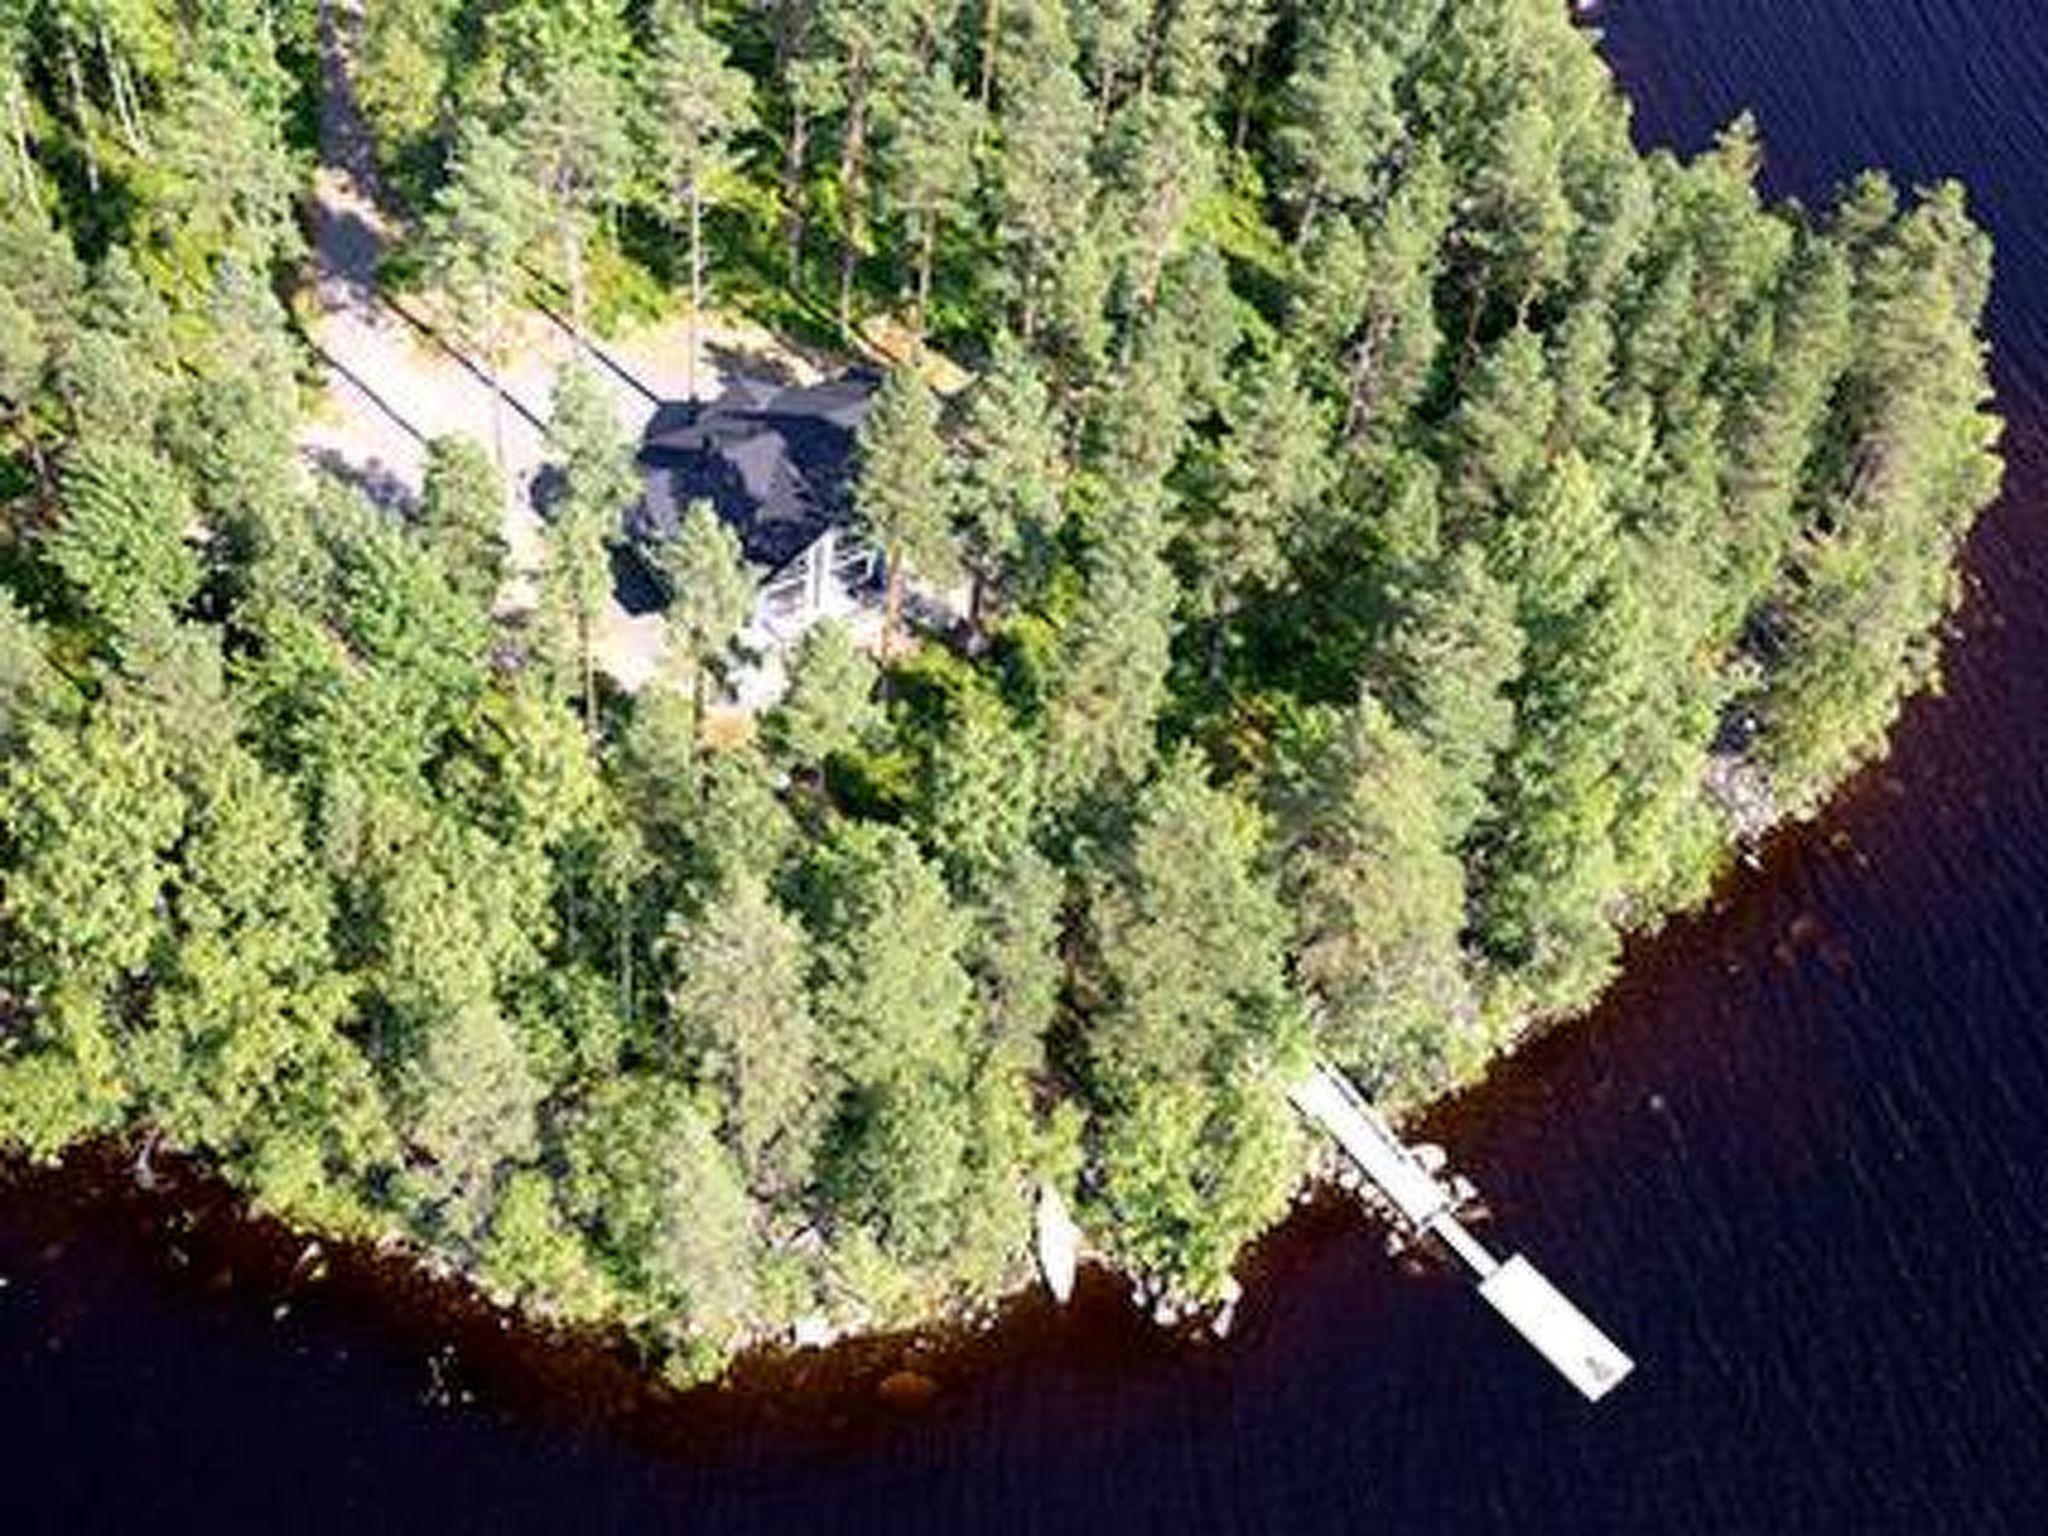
(217,1220)
(193,1235)
(1791,1153)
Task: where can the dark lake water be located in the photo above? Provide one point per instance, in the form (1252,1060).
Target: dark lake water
(1797,1164)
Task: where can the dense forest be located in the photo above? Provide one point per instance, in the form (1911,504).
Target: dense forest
(1413,535)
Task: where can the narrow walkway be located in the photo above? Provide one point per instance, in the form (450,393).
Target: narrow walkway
(1422,1203)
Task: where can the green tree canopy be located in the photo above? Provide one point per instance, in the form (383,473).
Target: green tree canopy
(902,490)
(830,704)
(711,595)
(599,484)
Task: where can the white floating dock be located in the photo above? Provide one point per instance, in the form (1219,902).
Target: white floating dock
(1561,1333)
(1532,1306)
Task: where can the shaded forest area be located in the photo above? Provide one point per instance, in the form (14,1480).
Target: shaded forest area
(1400,515)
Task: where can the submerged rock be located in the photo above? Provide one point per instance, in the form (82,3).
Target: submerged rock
(1226,1313)
(906,1389)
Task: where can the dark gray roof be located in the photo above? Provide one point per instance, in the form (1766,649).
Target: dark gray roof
(776,462)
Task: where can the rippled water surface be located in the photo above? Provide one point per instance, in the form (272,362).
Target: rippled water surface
(1798,1164)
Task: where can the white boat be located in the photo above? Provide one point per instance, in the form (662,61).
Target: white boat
(1059,1243)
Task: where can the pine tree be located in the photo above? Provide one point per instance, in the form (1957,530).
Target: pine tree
(599,483)
(250,996)
(1377,897)
(1161,164)
(1186,936)
(1908,460)
(648,1176)
(1338,123)
(1114,42)
(229,416)
(741,1014)
(1011,474)
(118,366)
(569,118)
(979,797)
(929,167)
(693,105)
(1185,985)
(403,59)
(1257,494)
(461,517)
(1371,290)
(122,542)
(830,706)
(1777,428)
(711,595)
(229,179)
(1454,650)
(484,218)
(871,48)
(901,491)
(892,998)
(1044,187)
(1107,676)
(889,990)
(536,1256)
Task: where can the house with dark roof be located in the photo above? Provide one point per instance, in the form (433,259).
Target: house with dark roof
(777,464)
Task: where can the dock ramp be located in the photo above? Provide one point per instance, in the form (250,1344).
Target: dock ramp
(1328,1098)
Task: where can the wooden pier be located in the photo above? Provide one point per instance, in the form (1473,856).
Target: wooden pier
(1423,1202)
